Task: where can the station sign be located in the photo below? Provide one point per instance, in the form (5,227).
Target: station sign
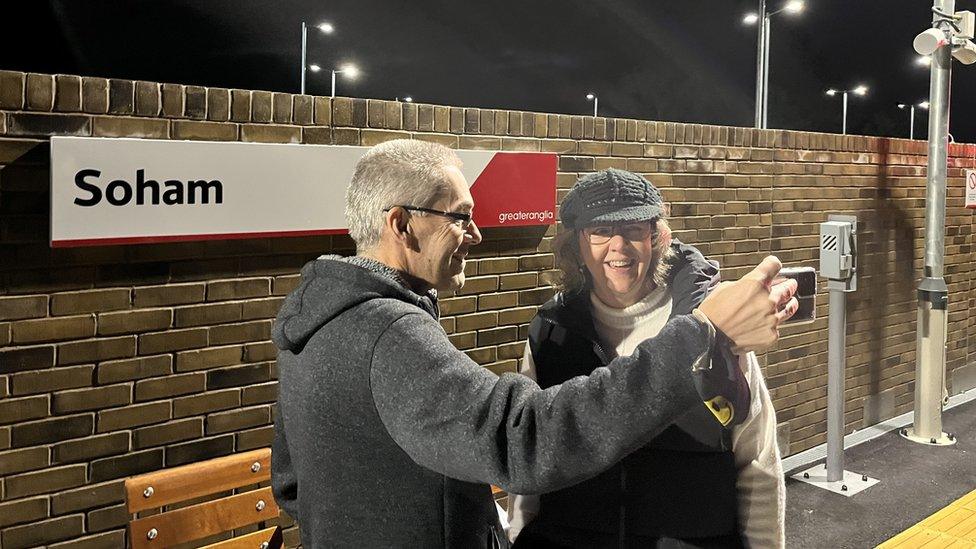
(970,188)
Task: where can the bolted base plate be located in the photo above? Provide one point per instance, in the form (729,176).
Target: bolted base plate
(944,439)
(851,483)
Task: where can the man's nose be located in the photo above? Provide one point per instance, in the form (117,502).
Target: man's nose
(473,233)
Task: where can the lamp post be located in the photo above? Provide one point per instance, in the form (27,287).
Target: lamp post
(596,102)
(911,115)
(762,54)
(326,28)
(860,90)
(349,70)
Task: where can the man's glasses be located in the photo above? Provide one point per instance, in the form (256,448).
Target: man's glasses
(634,232)
(461,219)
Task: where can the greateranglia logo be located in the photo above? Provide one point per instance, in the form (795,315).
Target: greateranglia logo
(541,216)
(120,192)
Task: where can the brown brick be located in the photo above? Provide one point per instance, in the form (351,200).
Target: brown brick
(238,375)
(25,510)
(53,329)
(199,450)
(151,389)
(92,447)
(535,297)
(47,124)
(132,322)
(317,136)
(206,131)
(260,394)
(78,400)
(206,402)
(133,416)
(173,100)
(43,532)
(268,133)
(261,308)
(134,368)
(148,99)
(173,340)
(536,262)
(96,350)
(67,93)
(497,335)
(51,430)
(15,410)
(235,420)
(195,105)
(498,265)
(89,301)
(258,352)
(121,96)
(48,480)
(458,305)
(258,330)
(218,104)
(517,281)
(261,106)
(87,497)
(12,88)
(477,321)
(123,466)
(302,109)
(26,358)
(240,105)
(201,315)
(94,95)
(45,381)
(171,294)
(208,358)
(40,92)
(521,315)
(118,126)
(107,518)
(281,107)
(322,107)
(167,433)
(253,439)
(487,302)
(105,540)
(26,459)
(477,285)
(222,290)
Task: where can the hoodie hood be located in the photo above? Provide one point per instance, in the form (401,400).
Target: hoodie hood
(331,285)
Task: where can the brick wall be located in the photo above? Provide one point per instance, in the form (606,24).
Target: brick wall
(126,359)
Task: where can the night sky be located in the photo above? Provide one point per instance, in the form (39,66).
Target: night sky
(687,60)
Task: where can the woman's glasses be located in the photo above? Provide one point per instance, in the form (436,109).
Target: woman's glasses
(634,232)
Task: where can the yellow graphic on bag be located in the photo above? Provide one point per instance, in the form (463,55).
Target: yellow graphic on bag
(722,409)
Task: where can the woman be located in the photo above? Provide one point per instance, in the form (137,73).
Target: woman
(696,484)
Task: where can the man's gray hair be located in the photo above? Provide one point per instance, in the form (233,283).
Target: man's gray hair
(401,172)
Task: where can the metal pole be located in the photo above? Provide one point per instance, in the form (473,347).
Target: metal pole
(911,124)
(333,82)
(932,289)
(304,36)
(596,104)
(760,41)
(765,67)
(836,361)
(844,124)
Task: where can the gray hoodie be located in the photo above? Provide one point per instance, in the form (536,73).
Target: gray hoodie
(387,435)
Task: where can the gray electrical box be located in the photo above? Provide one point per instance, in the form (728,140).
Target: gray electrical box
(838,252)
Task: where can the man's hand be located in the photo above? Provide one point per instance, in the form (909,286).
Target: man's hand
(750,310)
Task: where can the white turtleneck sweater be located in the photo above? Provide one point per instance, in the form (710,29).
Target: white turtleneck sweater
(760,486)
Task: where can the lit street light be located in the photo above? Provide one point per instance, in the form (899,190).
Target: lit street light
(326,28)
(596,102)
(923,60)
(762,54)
(350,71)
(911,116)
(860,90)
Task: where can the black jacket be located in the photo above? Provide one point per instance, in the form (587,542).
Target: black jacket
(388,436)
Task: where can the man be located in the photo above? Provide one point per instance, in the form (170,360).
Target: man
(387,436)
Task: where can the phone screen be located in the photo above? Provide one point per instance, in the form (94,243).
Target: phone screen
(806,293)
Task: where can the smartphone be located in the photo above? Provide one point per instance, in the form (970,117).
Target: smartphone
(806,293)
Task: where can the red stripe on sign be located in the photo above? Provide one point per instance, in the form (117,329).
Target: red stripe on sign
(516,189)
(188,238)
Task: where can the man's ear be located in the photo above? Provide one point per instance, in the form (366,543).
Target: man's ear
(397,225)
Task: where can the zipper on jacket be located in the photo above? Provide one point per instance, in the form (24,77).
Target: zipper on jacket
(600,352)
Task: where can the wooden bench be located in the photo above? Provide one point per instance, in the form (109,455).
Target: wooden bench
(166,489)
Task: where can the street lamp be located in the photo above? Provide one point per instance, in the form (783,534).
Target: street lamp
(860,90)
(762,54)
(596,102)
(911,116)
(923,60)
(326,28)
(349,70)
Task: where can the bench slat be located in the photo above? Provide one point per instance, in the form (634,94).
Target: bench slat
(198,479)
(202,520)
(248,541)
